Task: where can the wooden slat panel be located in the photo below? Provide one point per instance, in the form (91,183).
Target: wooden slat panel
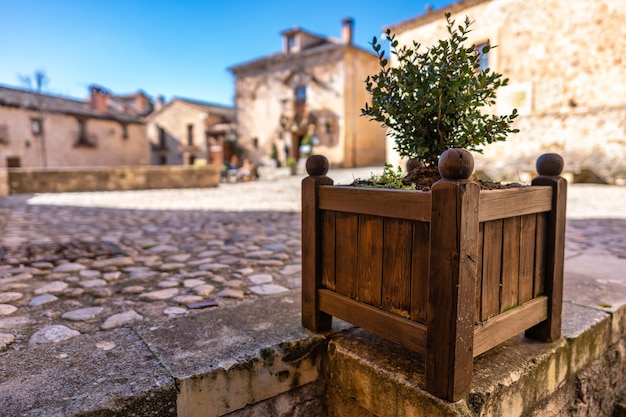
(528,225)
(492,269)
(509,324)
(510,263)
(499,204)
(397,251)
(479,274)
(396,292)
(370,260)
(451,288)
(346,235)
(540,255)
(402,204)
(389,326)
(328,249)
(419,268)
(312,317)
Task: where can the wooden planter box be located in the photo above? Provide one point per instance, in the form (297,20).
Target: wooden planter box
(448,273)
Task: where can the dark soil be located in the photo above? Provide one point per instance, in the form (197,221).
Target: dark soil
(425,177)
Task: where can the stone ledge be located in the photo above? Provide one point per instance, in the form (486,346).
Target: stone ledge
(256,359)
(369,376)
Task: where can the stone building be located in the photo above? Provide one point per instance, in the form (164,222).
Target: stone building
(187,132)
(45,131)
(566,62)
(308,95)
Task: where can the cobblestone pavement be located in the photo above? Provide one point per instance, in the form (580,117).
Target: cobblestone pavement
(82,262)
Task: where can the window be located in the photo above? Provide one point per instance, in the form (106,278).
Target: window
(190,135)
(82,133)
(162,144)
(4,134)
(482,50)
(36,126)
(301,94)
(13,162)
(291,43)
(124,131)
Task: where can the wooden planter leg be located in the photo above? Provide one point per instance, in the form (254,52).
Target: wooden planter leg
(549,167)
(312,318)
(453,266)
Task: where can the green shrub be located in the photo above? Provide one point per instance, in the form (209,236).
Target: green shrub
(433,99)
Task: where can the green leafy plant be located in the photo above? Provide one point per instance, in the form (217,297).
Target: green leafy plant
(433,99)
(388,179)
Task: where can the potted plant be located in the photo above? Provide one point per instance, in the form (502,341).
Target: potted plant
(450,272)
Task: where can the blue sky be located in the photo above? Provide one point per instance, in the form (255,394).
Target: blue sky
(170,48)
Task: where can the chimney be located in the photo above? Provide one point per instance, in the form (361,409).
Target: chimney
(347,27)
(160,102)
(99,100)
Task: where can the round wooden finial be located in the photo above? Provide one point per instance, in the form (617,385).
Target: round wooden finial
(456,164)
(550,164)
(317,165)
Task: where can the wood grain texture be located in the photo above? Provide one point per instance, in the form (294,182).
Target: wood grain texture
(541,236)
(451,288)
(312,317)
(419,271)
(346,235)
(328,249)
(397,252)
(370,260)
(509,294)
(492,268)
(550,330)
(528,226)
(401,204)
(499,204)
(389,326)
(506,325)
(478,301)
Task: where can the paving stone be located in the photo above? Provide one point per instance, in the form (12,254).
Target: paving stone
(175,311)
(42,299)
(69,267)
(7,297)
(164,294)
(43,265)
(6,339)
(91,283)
(260,278)
(291,269)
(163,249)
(231,293)
(13,323)
(233,283)
(190,283)
(168,284)
(112,276)
(187,299)
(82,314)
(204,289)
(268,289)
(133,289)
(6,309)
(89,273)
(54,287)
(212,267)
(171,266)
(118,262)
(121,319)
(53,334)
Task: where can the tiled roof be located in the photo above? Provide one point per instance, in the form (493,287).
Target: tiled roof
(211,108)
(11,97)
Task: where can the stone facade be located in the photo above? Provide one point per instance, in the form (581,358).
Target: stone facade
(309,94)
(188,132)
(43,131)
(565,62)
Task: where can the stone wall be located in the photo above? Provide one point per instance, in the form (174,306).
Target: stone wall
(26,181)
(565,64)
